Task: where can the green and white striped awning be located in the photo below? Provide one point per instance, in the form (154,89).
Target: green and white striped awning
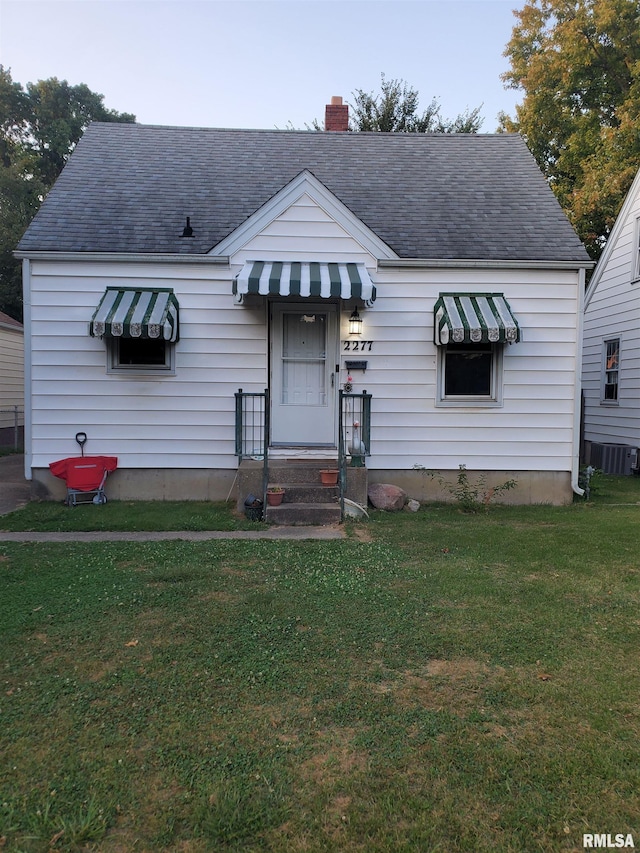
(474,318)
(144,313)
(305,279)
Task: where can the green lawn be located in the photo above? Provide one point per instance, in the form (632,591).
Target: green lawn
(435,682)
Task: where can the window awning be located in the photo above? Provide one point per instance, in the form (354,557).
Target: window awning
(474,318)
(305,279)
(144,313)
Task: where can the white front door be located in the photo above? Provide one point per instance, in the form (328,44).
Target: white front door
(303,382)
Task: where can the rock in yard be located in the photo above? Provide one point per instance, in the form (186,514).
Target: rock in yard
(412,506)
(387,497)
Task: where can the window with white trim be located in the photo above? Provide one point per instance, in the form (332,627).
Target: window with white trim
(470,374)
(635,262)
(147,355)
(610,371)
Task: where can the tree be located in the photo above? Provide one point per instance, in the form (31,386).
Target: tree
(578,63)
(39,128)
(395,110)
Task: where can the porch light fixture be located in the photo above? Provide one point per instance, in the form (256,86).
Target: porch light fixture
(355,323)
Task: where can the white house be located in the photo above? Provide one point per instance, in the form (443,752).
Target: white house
(170,267)
(611,359)
(11,381)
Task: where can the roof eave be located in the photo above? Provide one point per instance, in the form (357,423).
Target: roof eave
(484,263)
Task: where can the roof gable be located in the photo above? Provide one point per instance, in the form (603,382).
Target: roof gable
(614,236)
(128,188)
(303,184)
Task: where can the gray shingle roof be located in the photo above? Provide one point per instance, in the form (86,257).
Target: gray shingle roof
(129,188)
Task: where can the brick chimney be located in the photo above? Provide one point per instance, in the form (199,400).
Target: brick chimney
(336,115)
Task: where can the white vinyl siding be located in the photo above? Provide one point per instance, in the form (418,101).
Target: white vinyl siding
(613,311)
(533,430)
(186,420)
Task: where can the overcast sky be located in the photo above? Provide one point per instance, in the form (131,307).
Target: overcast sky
(262,63)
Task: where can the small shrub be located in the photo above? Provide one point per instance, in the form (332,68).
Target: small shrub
(471,495)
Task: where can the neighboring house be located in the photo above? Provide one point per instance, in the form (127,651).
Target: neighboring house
(11,381)
(170,267)
(611,353)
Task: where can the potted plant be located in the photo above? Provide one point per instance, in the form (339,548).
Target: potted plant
(329,476)
(275,495)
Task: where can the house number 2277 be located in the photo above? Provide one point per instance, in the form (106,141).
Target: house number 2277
(357,346)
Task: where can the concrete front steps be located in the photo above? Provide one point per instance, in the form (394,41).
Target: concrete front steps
(306,501)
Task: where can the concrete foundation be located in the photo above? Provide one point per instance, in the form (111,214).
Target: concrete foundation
(145,484)
(533,487)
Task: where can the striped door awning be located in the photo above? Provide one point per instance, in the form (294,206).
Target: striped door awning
(474,318)
(305,279)
(144,313)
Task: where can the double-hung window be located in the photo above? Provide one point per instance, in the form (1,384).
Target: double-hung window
(635,261)
(610,371)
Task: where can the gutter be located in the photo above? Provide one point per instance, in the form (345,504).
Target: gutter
(123,257)
(480,263)
(577,397)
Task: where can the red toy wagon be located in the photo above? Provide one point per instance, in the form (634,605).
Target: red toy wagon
(85,476)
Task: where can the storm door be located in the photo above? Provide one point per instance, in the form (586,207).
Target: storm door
(303,381)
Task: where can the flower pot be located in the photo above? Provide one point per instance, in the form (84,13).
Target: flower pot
(274,498)
(329,477)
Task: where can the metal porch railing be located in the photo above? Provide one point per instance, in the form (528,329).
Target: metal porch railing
(252,431)
(354,435)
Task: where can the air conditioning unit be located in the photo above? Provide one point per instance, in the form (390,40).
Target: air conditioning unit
(614,458)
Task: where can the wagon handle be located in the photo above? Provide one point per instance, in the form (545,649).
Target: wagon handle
(81,438)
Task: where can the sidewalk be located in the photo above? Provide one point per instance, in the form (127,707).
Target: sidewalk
(298,533)
(15,493)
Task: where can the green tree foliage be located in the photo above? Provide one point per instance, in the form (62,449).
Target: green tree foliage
(396,110)
(578,64)
(39,128)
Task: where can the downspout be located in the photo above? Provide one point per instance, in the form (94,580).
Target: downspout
(26,322)
(577,395)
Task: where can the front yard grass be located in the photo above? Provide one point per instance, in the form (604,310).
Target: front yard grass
(436,682)
(129,516)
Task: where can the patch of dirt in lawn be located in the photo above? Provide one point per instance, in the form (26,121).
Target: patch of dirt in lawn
(452,685)
(363,534)
(336,758)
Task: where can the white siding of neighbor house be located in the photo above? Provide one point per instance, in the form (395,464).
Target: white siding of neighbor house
(187,420)
(11,367)
(613,311)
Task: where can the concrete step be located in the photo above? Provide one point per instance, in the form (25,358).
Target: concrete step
(299,471)
(303,513)
(301,493)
